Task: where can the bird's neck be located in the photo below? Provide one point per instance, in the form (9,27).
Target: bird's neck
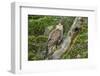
(59,27)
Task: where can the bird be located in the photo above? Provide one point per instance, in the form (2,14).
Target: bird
(55,38)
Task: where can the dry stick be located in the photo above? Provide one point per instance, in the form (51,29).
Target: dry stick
(68,41)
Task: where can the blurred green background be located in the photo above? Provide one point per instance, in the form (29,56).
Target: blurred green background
(39,27)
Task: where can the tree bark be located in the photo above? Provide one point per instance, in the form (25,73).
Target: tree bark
(69,40)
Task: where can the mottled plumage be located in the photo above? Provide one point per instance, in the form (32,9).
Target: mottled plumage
(55,38)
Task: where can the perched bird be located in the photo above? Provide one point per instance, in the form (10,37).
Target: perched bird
(55,38)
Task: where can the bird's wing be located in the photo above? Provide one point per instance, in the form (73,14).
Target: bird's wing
(54,37)
(51,33)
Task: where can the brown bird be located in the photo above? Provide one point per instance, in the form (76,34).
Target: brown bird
(55,38)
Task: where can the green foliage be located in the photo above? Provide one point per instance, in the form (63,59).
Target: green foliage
(36,46)
(37,26)
(37,40)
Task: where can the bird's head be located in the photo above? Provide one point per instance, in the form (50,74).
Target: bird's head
(59,26)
